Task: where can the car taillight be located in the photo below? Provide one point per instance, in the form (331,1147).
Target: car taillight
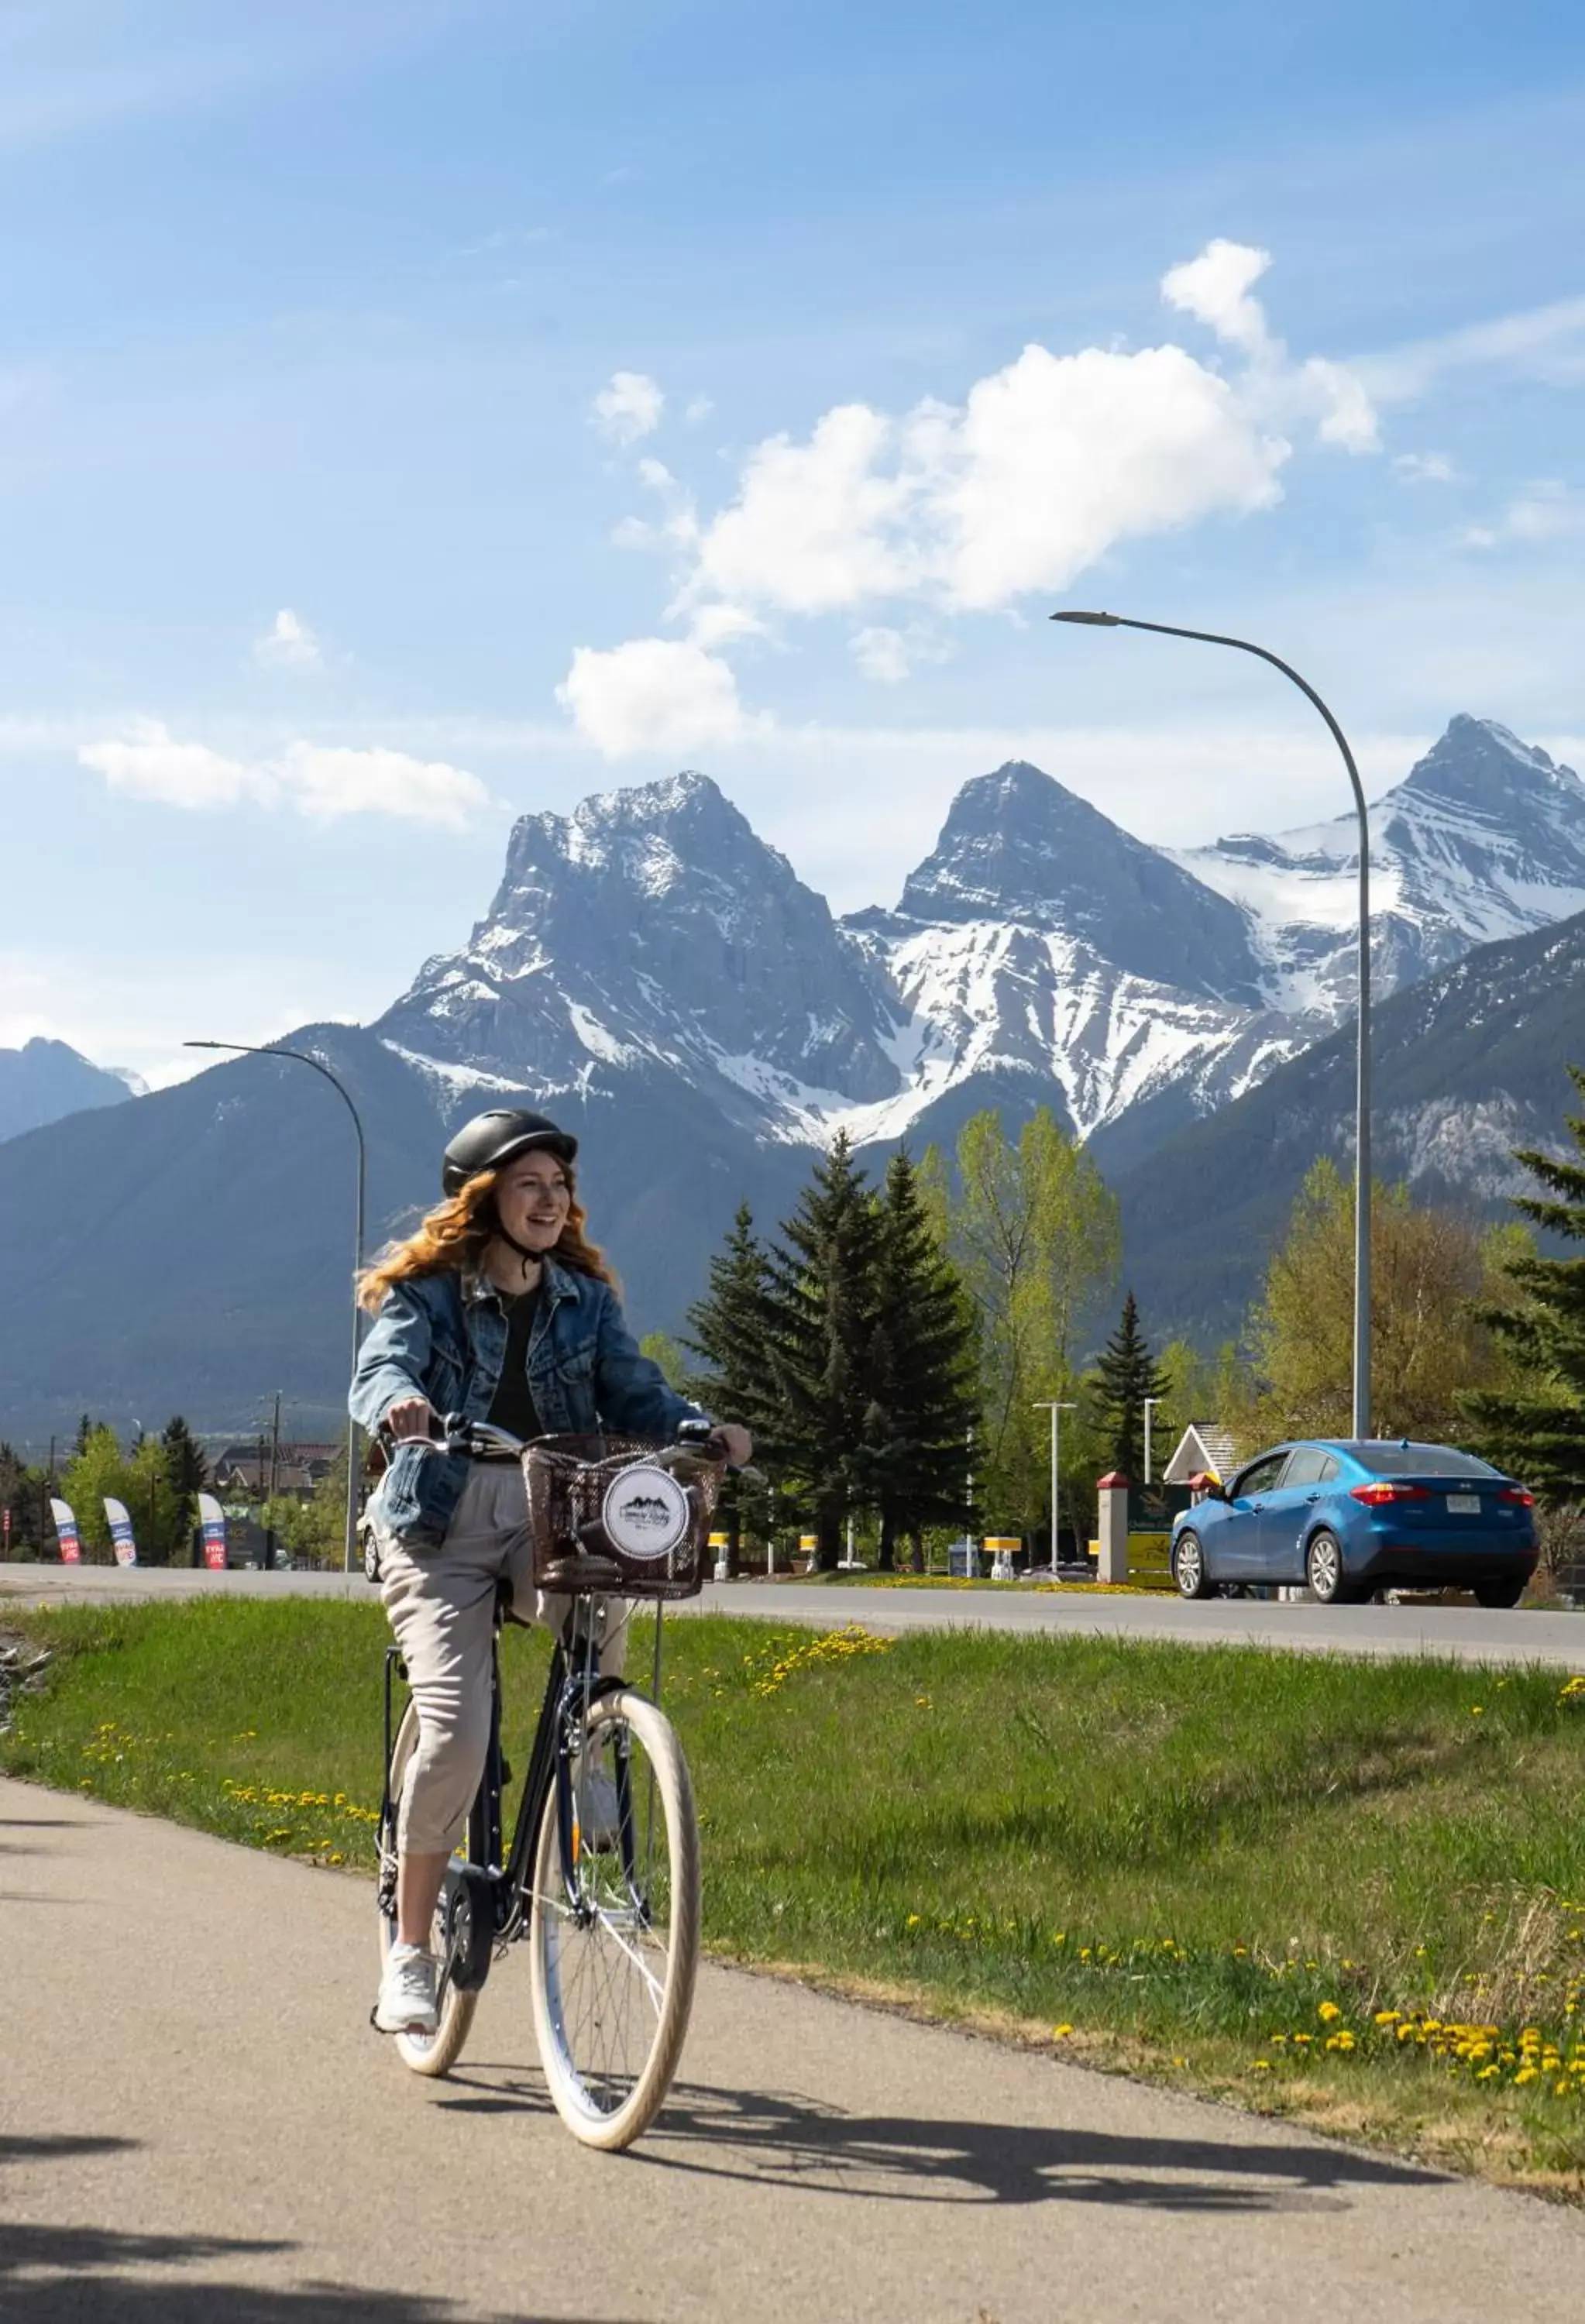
(1374,1496)
(1517,1493)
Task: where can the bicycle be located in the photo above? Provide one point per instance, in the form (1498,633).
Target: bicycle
(602,1877)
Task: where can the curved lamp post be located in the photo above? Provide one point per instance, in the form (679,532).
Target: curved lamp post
(1361,1421)
(301,1057)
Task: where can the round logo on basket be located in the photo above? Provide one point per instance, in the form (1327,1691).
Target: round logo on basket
(646,1511)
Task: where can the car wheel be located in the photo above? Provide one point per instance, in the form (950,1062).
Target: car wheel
(1323,1569)
(1499,1593)
(1188,1567)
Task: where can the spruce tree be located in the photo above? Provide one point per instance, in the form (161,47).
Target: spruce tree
(1537,1429)
(922,1371)
(728,1334)
(821,1315)
(188,1473)
(727,1329)
(1126,1374)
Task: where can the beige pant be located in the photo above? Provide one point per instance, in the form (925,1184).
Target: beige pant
(442,1608)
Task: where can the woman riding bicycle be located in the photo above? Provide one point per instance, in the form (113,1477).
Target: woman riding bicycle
(498,1308)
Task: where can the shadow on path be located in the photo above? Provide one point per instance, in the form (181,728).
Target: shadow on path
(56,2149)
(89,2275)
(778,2138)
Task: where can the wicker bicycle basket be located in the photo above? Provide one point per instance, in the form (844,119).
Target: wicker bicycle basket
(667,1492)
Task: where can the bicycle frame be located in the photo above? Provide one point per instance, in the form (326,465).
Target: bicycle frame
(500,1892)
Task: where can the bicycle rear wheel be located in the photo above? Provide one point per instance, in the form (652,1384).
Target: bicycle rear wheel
(428,2053)
(615,1946)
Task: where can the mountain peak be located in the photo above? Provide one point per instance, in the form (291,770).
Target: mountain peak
(1017,845)
(1479,763)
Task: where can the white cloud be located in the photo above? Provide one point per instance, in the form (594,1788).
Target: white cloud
(629,406)
(1043,469)
(816,525)
(666,695)
(319,781)
(151,764)
(698,408)
(1215,288)
(717,625)
(881,654)
(325,783)
(288,644)
(1548,509)
(1424,468)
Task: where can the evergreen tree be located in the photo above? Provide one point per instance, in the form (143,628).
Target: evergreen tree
(1536,1427)
(728,1334)
(820,1313)
(187,1472)
(923,1398)
(85,1430)
(1126,1374)
(727,1329)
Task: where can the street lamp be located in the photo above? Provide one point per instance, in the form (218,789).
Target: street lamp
(301,1057)
(1150,1403)
(1361,1425)
(1048,1404)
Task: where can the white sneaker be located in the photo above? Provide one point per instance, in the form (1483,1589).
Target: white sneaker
(407,1992)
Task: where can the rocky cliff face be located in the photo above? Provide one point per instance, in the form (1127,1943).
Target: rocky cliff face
(1037,946)
(1484,840)
(652,932)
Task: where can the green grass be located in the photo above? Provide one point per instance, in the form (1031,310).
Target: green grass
(1203,1864)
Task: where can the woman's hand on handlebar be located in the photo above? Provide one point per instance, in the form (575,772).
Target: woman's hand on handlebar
(735,1443)
(411,1416)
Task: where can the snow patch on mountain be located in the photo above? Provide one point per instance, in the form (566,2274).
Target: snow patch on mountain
(652,933)
(1484,840)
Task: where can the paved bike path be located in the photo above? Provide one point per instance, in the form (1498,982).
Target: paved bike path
(197,2127)
(1467,1633)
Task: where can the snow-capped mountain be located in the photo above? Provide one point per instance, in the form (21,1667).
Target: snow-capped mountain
(650,932)
(1485,840)
(662,981)
(1039,952)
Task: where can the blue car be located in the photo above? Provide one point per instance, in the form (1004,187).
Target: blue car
(1353,1518)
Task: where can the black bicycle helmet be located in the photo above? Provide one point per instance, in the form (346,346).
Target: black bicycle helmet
(490,1140)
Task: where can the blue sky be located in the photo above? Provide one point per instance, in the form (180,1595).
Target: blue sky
(415,413)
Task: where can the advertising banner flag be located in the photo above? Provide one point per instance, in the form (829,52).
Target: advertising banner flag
(119,1518)
(212,1518)
(66,1532)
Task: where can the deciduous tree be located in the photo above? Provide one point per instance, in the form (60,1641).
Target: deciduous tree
(1033,1230)
(1430,1270)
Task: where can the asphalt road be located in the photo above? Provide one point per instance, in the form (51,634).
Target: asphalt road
(198,2127)
(1469,1633)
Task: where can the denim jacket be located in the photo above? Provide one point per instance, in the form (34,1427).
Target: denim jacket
(444,1337)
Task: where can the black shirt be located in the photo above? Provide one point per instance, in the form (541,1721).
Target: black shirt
(512,1405)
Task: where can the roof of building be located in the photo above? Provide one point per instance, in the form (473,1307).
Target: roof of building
(1205,1445)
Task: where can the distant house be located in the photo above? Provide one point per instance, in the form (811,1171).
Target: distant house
(1206,1447)
(244,1470)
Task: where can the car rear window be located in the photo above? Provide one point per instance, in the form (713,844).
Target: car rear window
(1422,1460)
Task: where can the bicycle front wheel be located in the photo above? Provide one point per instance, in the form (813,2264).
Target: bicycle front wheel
(615,1933)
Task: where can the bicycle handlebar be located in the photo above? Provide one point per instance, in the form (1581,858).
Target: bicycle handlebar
(471,1437)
